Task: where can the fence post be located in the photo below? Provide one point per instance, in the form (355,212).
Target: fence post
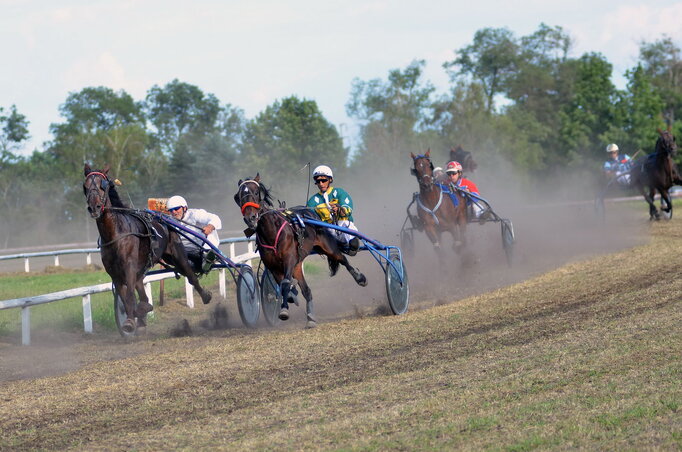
(221,283)
(189,294)
(88,259)
(232,253)
(87,314)
(148,291)
(27,269)
(26,325)
(249,248)
(56,260)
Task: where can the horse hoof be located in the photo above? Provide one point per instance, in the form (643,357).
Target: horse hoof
(206,297)
(361,280)
(141,322)
(311,324)
(284,314)
(128,326)
(292,299)
(142,309)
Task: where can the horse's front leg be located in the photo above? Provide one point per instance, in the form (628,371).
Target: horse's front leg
(308,294)
(287,287)
(144,306)
(649,198)
(665,196)
(433,234)
(178,255)
(127,293)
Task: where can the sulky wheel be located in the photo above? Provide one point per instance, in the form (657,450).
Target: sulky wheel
(120,313)
(508,240)
(248,297)
(397,289)
(271,298)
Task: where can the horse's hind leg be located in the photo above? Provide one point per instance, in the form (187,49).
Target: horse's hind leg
(181,261)
(665,196)
(329,248)
(308,294)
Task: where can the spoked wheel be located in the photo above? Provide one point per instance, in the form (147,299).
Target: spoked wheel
(271,298)
(397,288)
(120,314)
(248,297)
(407,243)
(508,240)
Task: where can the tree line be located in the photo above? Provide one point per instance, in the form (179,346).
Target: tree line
(525,100)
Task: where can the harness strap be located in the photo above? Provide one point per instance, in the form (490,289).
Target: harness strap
(429,211)
(137,234)
(273,247)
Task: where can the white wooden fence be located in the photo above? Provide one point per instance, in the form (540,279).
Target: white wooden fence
(25,303)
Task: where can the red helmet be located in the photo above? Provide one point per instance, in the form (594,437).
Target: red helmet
(453,167)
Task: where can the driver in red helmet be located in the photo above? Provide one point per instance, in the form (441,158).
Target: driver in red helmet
(454,172)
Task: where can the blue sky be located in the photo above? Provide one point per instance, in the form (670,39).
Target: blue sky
(250,53)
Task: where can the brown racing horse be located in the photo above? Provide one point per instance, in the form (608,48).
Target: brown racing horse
(131,244)
(657,172)
(435,209)
(284,242)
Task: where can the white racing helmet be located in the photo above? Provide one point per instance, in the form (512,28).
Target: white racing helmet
(323,170)
(613,147)
(176,201)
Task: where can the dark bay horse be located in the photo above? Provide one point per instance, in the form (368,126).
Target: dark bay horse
(458,154)
(283,244)
(657,172)
(131,244)
(435,209)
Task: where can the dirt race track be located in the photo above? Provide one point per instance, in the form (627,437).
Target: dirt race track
(586,356)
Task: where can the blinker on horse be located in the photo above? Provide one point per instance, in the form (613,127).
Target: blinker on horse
(284,242)
(131,243)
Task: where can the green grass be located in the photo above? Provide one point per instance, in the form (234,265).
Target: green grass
(67,315)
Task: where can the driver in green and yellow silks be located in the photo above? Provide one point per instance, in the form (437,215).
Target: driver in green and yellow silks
(334,205)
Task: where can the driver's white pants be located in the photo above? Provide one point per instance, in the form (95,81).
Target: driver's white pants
(341,236)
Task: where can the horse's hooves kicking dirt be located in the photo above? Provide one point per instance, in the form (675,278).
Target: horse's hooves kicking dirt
(206,297)
(128,326)
(142,309)
(284,314)
(311,324)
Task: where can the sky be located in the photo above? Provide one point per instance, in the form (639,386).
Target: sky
(250,53)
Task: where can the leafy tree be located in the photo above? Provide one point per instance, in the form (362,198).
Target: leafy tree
(589,112)
(661,62)
(286,136)
(101,126)
(392,114)
(14,130)
(180,109)
(638,113)
(491,59)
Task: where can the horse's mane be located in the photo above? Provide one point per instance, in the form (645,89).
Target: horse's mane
(114,197)
(267,197)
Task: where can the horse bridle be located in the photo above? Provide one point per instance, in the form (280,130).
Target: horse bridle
(104,186)
(425,176)
(255,199)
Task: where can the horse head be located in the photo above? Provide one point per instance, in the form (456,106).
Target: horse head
(666,142)
(96,189)
(252,197)
(423,169)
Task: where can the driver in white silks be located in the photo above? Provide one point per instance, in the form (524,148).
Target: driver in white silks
(201,221)
(334,205)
